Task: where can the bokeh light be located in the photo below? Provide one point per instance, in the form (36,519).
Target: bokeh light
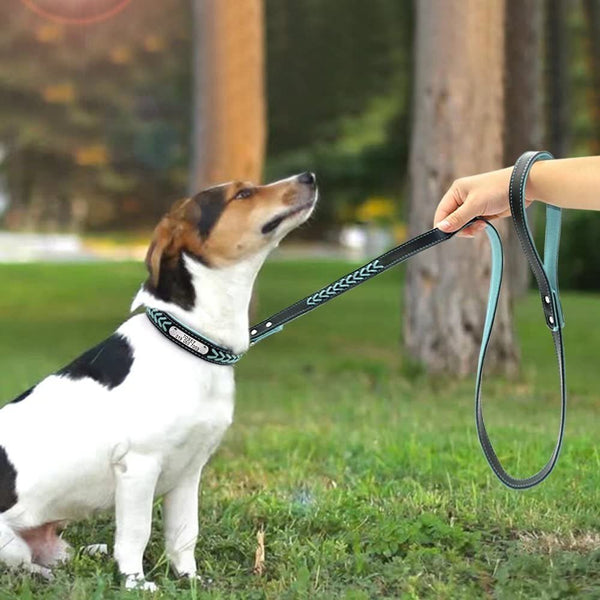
(76,12)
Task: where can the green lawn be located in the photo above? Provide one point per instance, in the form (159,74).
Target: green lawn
(366,475)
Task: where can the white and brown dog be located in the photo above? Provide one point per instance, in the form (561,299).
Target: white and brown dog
(138,417)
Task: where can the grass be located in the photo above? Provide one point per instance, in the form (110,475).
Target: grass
(364,473)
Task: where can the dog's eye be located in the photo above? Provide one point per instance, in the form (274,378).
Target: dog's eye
(244,193)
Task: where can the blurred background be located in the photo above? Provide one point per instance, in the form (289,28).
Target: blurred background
(356,455)
(111,110)
(100,122)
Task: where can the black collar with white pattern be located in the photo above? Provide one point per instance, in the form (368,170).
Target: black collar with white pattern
(191,340)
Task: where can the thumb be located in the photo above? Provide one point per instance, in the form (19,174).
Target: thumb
(457,219)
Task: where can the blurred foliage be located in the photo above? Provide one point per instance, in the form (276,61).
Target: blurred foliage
(579,251)
(98,113)
(376,209)
(339,89)
(579,256)
(95,120)
(579,262)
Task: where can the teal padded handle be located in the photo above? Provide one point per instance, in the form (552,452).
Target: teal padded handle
(547,280)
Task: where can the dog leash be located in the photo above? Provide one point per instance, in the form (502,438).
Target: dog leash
(545,274)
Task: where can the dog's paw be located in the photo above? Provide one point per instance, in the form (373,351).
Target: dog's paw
(198,579)
(137,582)
(43,572)
(62,553)
(95,550)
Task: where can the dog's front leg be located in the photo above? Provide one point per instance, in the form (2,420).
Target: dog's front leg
(135,477)
(181,524)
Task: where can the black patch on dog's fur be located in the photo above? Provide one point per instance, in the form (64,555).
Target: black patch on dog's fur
(23,395)
(107,363)
(174,284)
(8,482)
(212,203)
(272,225)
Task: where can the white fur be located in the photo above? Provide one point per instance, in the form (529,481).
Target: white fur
(79,447)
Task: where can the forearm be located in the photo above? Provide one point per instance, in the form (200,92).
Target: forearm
(568,182)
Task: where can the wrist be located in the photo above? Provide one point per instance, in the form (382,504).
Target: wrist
(533,187)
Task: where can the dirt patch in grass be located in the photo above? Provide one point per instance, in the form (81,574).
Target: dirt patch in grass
(549,543)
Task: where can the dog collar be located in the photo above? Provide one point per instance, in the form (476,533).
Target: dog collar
(190,340)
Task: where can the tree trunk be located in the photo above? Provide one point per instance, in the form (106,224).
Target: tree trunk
(523,110)
(20,183)
(229,98)
(557,78)
(458,131)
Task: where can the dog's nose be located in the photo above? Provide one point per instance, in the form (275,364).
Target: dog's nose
(307,177)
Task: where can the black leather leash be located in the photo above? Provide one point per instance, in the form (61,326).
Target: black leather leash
(545,274)
(382,263)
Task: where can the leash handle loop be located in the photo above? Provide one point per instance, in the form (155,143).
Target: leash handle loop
(546,273)
(546,276)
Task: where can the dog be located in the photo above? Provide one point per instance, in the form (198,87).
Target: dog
(137,417)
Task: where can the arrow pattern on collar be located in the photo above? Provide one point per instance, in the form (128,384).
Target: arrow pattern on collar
(216,354)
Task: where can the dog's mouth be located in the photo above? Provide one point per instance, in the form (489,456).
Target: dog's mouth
(274,223)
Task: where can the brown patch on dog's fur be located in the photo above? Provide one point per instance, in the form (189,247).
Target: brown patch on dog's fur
(235,233)
(177,231)
(163,236)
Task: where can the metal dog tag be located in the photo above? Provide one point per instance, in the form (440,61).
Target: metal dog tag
(190,342)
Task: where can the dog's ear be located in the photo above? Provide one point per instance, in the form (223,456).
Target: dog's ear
(160,245)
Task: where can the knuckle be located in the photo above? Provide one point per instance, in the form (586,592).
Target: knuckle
(457,183)
(455,187)
(453,219)
(459,190)
(473,197)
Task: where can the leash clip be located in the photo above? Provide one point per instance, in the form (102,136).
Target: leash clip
(264,334)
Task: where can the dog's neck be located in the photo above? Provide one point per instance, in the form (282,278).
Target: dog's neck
(222,300)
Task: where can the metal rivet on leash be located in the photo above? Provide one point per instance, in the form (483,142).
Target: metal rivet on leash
(551,319)
(268,324)
(547,299)
(253,332)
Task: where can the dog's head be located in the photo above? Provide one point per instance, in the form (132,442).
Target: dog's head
(229,223)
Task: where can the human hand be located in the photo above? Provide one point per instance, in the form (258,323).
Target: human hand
(483,195)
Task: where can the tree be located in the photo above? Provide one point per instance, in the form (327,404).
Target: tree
(458,107)
(229,96)
(557,78)
(523,109)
